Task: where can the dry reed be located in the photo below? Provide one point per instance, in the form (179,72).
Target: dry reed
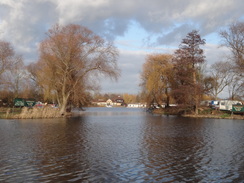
(33,113)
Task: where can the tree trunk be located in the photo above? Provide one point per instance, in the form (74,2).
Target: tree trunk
(167,98)
(195,92)
(64,105)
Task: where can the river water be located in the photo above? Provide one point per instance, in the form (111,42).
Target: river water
(121,145)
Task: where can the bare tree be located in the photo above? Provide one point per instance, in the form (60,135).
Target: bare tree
(233,38)
(10,65)
(236,86)
(16,79)
(222,76)
(188,59)
(8,58)
(68,56)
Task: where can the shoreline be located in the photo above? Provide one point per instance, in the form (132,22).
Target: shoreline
(207,114)
(48,112)
(212,116)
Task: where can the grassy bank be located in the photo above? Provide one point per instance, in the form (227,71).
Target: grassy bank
(223,116)
(203,113)
(29,113)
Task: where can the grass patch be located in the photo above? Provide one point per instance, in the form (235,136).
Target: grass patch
(205,111)
(225,115)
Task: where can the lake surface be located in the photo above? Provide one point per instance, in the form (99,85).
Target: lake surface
(121,145)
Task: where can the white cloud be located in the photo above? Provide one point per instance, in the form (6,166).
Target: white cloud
(215,53)
(158,23)
(130,63)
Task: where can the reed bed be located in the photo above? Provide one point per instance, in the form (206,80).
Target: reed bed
(34,113)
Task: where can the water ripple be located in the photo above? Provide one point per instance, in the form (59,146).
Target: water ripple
(121,145)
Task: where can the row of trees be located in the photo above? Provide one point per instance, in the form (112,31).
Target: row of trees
(183,76)
(128,98)
(14,78)
(72,59)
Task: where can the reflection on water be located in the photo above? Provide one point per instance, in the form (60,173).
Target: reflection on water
(121,145)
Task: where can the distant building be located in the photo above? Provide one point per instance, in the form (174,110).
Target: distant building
(110,102)
(137,105)
(119,101)
(100,102)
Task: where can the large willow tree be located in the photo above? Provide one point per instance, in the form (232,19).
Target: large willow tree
(155,78)
(68,57)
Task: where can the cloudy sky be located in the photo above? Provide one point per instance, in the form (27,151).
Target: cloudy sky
(137,27)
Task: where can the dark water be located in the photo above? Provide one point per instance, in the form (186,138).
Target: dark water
(121,145)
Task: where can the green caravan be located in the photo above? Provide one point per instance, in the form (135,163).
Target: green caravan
(238,109)
(21,102)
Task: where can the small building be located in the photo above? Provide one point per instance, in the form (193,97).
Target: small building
(137,105)
(100,102)
(109,102)
(119,101)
